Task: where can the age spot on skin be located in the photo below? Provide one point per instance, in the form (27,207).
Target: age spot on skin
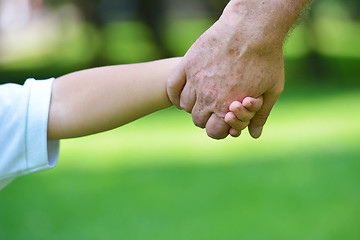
(209,99)
(240,73)
(231,51)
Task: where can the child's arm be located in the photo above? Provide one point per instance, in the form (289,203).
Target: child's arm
(100,99)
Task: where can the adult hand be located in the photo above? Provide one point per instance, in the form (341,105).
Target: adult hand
(239,56)
(222,66)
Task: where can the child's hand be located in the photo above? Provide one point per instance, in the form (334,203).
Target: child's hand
(241,113)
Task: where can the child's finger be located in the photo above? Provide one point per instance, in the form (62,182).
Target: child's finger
(241,113)
(234,122)
(253,104)
(234,133)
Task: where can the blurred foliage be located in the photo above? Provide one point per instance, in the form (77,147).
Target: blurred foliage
(102,32)
(181,34)
(129,42)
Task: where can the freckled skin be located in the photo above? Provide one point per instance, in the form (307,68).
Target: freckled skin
(229,75)
(231,52)
(239,56)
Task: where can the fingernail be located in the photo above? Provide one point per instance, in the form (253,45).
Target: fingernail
(249,105)
(256,132)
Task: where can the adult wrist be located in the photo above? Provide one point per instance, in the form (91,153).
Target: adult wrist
(262,24)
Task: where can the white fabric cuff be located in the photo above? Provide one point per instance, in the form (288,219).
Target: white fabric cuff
(41,154)
(25,148)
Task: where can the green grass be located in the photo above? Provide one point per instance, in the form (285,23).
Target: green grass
(162,178)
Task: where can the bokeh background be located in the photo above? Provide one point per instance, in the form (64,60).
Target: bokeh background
(162,178)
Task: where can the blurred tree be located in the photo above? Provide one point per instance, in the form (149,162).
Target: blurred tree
(186,20)
(353,6)
(317,63)
(90,11)
(100,12)
(152,13)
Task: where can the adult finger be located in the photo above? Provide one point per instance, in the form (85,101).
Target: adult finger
(234,133)
(187,98)
(176,83)
(216,128)
(200,115)
(258,121)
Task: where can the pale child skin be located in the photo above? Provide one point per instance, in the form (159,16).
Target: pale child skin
(104,98)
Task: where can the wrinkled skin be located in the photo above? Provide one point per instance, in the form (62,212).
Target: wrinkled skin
(221,67)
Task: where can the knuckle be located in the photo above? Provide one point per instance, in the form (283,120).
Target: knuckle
(262,116)
(217,133)
(278,90)
(185,107)
(174,100)
(217,136)
(199,122)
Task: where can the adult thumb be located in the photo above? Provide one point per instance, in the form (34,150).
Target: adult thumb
(258,121)
(176,83)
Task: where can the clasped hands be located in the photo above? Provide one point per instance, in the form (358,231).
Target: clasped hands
(228,82)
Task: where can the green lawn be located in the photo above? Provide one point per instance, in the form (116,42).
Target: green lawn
(162,178)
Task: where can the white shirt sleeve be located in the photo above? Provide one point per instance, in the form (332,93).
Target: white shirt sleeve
(24,147)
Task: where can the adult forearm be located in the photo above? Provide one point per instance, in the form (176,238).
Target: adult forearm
(101,99)
(262,22)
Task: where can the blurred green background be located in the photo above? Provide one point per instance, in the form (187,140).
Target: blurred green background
(162,178)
